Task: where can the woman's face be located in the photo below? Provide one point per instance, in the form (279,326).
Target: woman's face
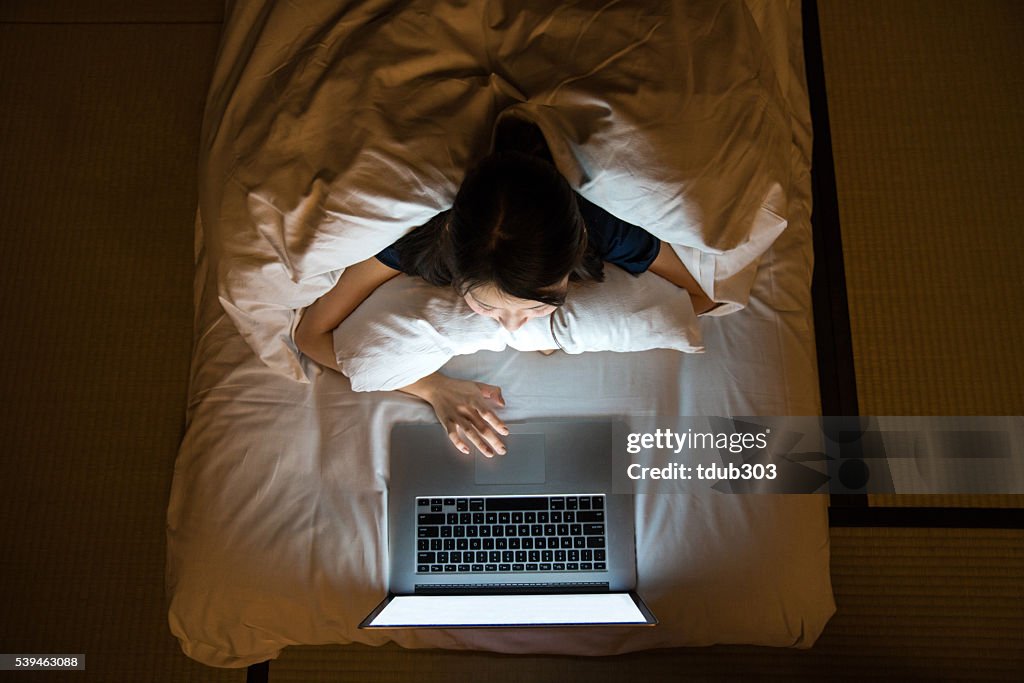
(511,312)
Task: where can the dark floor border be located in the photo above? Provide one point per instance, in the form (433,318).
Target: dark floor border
(836,376)
(916,517)
(258,673)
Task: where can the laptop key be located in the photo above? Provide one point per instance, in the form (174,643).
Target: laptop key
(491,568)
(504,567)
(462,505)
(435,568)
(481,556)
(572,567)
(428,531)
(593,529)
(517,517)
(585,503)
(423,502)
(458,531)
(504,518)
(422,568)
(425,558)
(449,568)
(579,542)
(599,556)
(436,507)
(425,518)
(448,544)
(586,566)
(600,566)
(568,517)
(558,567)
(530,518)
(449,502)
(595,541)
(545,567)
(476,505)
(442,558)
(435,544)
(423,544)
(566,542)
(518,567)
(455,557)
(558,503)
(487,543)
(592,516)
(574,555)
(531,567)
(477,568)
(474,544)
(572,503)
(461,544)
(587,555)
(463,567)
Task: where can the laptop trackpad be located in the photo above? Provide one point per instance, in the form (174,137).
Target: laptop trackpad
(523,463)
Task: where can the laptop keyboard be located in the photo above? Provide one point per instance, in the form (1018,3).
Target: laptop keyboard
(503,534)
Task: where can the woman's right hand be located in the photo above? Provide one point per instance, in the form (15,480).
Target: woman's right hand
(465,410)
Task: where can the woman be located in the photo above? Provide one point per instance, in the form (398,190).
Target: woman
(513,239)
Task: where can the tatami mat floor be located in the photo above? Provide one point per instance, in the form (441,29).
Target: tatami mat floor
(102,103)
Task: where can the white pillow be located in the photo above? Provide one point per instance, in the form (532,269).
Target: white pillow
(332,135)
(407,329)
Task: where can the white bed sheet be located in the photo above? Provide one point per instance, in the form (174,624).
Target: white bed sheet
(276,529)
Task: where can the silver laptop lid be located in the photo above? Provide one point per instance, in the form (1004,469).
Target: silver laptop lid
(560,459)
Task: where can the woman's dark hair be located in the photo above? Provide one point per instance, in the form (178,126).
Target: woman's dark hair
(515,224)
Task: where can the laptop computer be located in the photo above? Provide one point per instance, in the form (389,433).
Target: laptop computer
(532,538)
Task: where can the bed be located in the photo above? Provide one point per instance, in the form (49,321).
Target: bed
(276,525)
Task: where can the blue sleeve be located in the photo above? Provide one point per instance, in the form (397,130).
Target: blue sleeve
(390,258)
(629,247)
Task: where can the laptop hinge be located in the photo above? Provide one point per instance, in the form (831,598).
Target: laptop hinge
(510,588)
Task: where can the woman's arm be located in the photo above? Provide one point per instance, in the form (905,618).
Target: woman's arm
(667,265)
(314,335)
(466,409)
